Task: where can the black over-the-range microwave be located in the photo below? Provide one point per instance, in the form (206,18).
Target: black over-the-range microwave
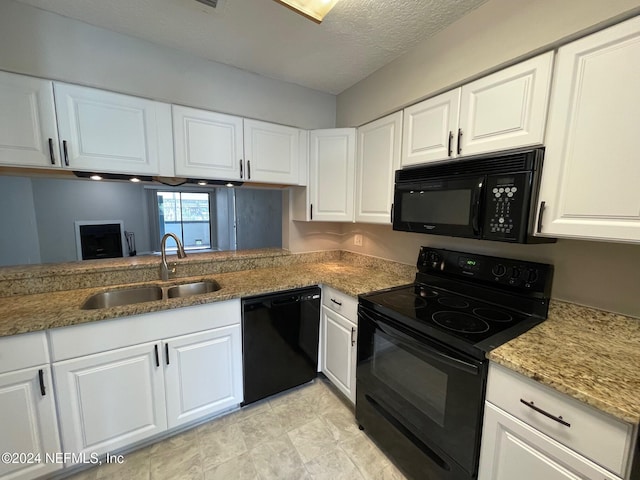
(490,197)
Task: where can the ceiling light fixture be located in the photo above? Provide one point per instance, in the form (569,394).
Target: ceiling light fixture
(312,9)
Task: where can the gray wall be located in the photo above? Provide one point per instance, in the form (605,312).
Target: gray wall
(496,33)
(258,218)
(59,203)
(40,43)
(19,242)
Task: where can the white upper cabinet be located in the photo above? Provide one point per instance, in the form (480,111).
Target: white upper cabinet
(109,132)
(591,172)
(507,109)
(272,152)
(379,145)
(332,157)
(28,133)
(429,129)
(207,144)
(498,112)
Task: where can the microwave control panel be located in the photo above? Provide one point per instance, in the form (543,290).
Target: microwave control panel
(506,213)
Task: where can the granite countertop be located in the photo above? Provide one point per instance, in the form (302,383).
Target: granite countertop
(588,354)
(28,313)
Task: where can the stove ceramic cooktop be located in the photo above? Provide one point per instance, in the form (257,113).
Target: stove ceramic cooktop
(450,317)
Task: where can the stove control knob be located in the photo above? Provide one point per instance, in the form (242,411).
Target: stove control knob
(499,270)
(515,272)
(434,259)
(531,276)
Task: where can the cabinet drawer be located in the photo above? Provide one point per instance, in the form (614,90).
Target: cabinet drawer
(23,351)
(596,435)
(341,303)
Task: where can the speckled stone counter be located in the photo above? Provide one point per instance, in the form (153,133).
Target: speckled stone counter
(589,354)
(27,313)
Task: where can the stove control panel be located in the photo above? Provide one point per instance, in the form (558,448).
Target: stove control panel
(503,272)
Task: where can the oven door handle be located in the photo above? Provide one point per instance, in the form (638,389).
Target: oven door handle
(421,347)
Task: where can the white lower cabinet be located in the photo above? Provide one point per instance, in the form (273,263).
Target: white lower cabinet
(533,432)
(110,399)
(28,420)
(126,380)
(201,374)
(518,450)
(28,423)
(339,337)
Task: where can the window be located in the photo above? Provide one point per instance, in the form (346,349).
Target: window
(187,215)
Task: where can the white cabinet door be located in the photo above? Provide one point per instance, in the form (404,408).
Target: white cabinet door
(203,374)
(332,174)
(430,129)
(511,449)
(110,400)
(207,144)
(591,169)
(339,351)
(379,147)
(28,132)
(506,109)
(28,423)
(272,152)
(109,132)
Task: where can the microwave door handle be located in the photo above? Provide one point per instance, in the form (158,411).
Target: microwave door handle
(421,347)
(477,199)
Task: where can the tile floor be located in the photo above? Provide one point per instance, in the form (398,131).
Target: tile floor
(306,433)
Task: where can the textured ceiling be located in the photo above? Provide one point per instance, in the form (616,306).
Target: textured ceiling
(356,38)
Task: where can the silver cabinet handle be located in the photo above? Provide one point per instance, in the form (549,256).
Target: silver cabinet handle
(353,340)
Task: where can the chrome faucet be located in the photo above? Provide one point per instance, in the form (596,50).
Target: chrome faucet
(164,268)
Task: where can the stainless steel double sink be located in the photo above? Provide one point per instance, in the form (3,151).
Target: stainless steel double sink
(128,296)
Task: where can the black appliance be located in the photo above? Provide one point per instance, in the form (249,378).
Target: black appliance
(280,334)
(101,241)
(421,367)
(489,197)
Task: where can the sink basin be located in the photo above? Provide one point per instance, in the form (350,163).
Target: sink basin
(188,289)
(129,296)
(126,296)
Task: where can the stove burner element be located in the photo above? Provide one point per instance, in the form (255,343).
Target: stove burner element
(460,322)
(494,315)
(426,293)
(403,300)
(453,302)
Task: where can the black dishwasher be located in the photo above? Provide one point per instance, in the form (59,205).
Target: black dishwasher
(280,333)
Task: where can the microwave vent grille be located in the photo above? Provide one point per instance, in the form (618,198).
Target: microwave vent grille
(480,166)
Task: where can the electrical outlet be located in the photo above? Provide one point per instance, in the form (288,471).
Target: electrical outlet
(357,239)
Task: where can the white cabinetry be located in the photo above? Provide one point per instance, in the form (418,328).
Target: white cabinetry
(126,380)
(339,333)
(379,148)
(501,111)
(201,374)
(332,154)
(218,146)
(429,126)
(28,133)
(27,407)
(520,441)
(272,152)
(109,132)
(590,178)
(110,399)
(207,144)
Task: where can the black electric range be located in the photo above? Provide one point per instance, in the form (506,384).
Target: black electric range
(421,361)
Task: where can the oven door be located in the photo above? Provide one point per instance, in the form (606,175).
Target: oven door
(440,207)
(421,401)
